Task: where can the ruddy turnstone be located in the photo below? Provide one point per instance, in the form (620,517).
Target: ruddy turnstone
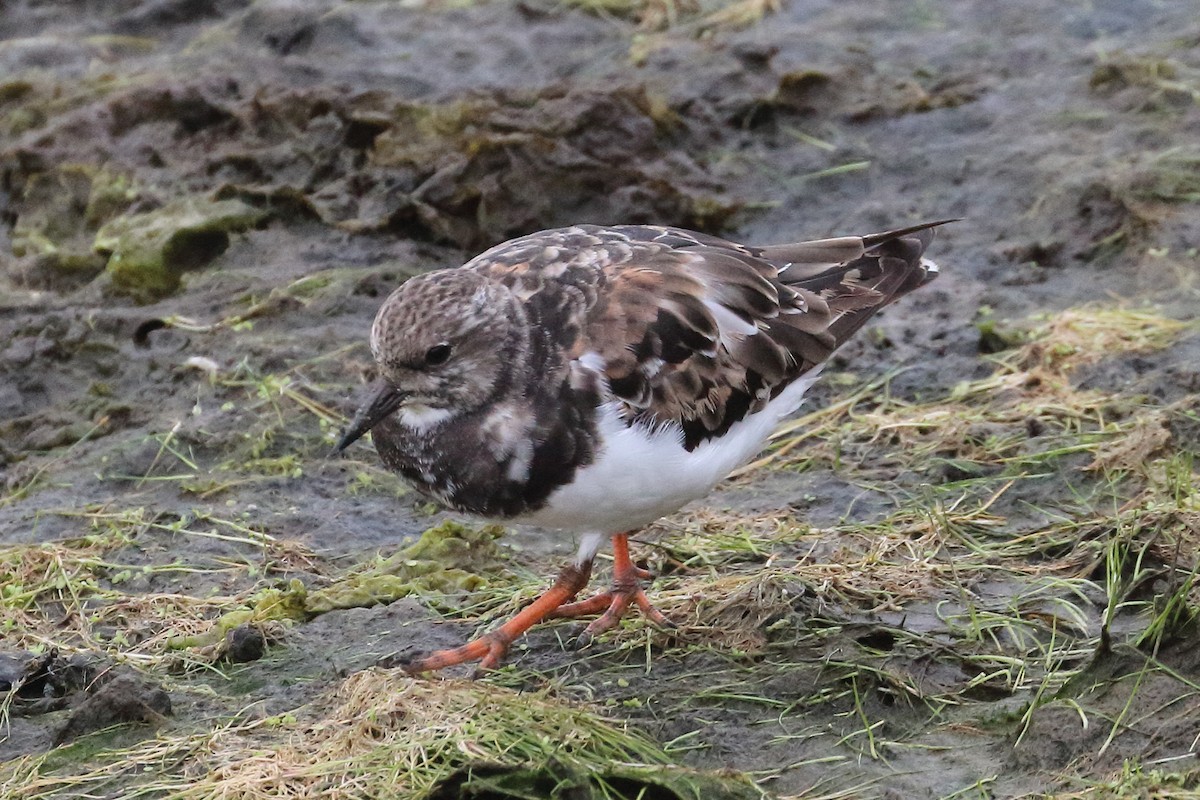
(592,379)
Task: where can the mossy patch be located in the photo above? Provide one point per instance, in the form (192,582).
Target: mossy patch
(1031,411)
(275,604)
(448,558)
(1172,176)
(148,253)
(60,211)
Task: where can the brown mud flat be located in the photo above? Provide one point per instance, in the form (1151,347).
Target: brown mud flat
(968,571)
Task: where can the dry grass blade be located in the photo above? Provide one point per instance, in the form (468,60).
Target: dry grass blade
(697,16)
(380,734)
(987,422)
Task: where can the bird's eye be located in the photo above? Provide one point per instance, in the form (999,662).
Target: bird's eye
(437,355)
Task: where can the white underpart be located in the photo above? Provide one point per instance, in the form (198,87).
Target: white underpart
(642,474)
(421,418)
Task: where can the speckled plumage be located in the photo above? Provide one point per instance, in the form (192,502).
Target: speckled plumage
(596,378)
(679,329)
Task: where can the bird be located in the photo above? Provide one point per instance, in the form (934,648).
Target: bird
(592,379)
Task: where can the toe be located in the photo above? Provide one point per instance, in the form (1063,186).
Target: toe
(497,650)
(650,612)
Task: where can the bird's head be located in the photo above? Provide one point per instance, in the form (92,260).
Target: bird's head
(439,341)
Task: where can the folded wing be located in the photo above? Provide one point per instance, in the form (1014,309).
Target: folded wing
(696,330)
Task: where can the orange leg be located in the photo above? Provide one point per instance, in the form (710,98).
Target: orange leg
(490,648)
(626,591)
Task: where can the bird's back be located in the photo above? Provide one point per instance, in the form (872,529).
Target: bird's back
(690,330)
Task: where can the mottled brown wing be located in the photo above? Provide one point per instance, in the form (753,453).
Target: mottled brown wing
(696,330)
(731,326)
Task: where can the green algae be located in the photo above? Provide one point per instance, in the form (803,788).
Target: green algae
(149,252)
(448,558)
(287,604)
(61,211)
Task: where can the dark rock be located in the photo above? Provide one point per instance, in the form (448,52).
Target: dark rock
(244,643)
(124,698)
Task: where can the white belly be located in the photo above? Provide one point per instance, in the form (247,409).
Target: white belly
(640,475)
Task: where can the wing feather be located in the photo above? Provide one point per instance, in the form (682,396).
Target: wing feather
(690,329)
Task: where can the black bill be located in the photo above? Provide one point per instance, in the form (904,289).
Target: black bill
(384,400)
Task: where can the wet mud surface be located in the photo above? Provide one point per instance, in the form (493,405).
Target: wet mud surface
(203,204)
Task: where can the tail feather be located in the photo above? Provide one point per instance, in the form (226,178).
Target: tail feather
(871,272)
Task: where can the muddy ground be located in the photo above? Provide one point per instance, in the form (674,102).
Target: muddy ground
(972,578)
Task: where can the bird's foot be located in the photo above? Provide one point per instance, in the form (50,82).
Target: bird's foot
(626,591)
(611,606)
(489,650)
